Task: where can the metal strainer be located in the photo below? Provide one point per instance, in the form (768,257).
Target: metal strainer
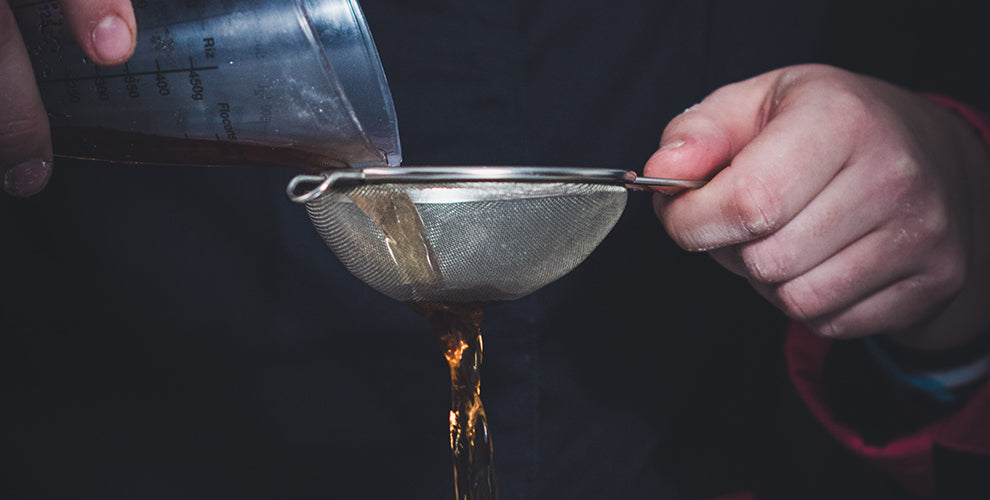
(465,234)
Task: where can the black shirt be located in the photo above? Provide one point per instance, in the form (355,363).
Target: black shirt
(184,333)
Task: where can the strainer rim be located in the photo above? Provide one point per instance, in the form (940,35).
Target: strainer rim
(436,174)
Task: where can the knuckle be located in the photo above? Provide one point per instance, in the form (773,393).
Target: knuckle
(847,104)
(899,179)
(933,226)
(757,207)
(23,132)
(947,276)
(923,229)
(767,262)
(838,94)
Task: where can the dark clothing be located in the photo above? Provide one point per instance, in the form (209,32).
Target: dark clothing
(184,333)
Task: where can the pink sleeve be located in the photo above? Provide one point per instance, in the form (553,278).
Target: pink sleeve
(978,119)
(907,459)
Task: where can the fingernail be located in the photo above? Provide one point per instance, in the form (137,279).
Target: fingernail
(672,145)
(112,39)
(27,178)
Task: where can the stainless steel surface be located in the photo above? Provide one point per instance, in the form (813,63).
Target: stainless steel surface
(326,180)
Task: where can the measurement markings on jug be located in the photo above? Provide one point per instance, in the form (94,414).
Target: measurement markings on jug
(100,83)
(228,124)
(108,76)
(195,82)
(131,83)
(161,81)
(209,48)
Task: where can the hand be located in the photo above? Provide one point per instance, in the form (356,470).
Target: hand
(105,29)
(849,203)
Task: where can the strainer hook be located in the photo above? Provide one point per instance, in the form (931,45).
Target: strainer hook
(323,182)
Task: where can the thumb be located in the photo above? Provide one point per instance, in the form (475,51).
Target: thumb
(702,140)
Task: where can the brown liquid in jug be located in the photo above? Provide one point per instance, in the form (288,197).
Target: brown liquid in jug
(131,147)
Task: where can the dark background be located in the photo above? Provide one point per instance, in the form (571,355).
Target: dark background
(184,333)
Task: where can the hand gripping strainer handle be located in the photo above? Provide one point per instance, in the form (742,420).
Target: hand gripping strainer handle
(322,182)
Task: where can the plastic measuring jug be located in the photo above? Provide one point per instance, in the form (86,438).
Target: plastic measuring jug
(220,82)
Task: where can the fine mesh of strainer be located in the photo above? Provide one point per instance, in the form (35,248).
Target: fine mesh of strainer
(465,234)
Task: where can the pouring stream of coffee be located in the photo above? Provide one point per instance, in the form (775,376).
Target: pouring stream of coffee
(459,329)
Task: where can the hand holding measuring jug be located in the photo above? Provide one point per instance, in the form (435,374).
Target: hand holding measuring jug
(295,83)
(105,30)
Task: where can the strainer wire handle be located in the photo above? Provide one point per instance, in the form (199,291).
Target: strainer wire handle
(322,181)
(325,180)
(674,183)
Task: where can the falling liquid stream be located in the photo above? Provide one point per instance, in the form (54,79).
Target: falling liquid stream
(458,327)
